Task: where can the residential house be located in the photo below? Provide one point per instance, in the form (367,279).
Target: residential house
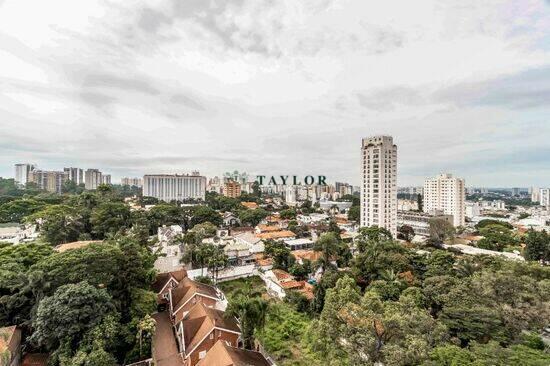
(223,354)
(165,281)
(201,328)
(230,219)
(187,294)
(299,244)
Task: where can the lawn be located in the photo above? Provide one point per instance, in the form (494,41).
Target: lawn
(255,286)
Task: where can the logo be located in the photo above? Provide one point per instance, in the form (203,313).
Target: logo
(291,180)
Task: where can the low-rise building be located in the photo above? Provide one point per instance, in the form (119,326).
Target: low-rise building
(420,221)
(299,244)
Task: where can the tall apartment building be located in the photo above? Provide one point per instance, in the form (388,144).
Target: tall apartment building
(138,182)
(92,178)
(22,173)
(75,174)
(379,183)
(231,189)
(447,194)
(535,194)
(544,194)
(174,187)
(51,181)
(106,179)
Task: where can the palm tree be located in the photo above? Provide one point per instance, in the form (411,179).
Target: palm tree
(251,313)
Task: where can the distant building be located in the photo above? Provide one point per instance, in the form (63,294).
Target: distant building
(420,221)
(137,182)
(516,191)
(231,189)
(535,195)
(92,178)
(473,209)
(75,175)
(174,187)
(22,173)
(447,194)
(106,179)
(379,183)
(545,197)
(51,181)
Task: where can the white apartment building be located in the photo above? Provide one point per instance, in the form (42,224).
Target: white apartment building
(22,173)
(138,182)
(92,178)
(545,197)
(51,181)
(174,187)
(379,183)
(75,174)
(447,194)
(535,194)
(106,179)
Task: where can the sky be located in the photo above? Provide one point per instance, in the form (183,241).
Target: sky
(286,87)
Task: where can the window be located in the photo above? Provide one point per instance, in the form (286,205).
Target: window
(202,354)
(212,335)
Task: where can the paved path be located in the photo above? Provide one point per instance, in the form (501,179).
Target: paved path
(165,348)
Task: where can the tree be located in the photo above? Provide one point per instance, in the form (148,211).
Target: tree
(69,314)
(205,229)
(288,214)
(252,217)
(354,213)
(251,313)
(282,258)
(165,214)
(328,244)
(59,223)
(17,210)
(440,230)
(420,202)
(203,214)
(146,329)
(537,246)
(407,232)
(108,218)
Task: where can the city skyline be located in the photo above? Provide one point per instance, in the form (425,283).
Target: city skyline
(172,87)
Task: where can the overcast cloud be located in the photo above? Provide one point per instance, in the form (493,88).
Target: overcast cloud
(277,87)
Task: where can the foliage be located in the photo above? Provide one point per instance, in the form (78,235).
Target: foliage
(203,214)
(278,251)
(288,214)
(18,209)
(537,246)
(406,231)
(252,217)
(73,310)
(354,213)
(251,312)
(59,223)
(440,230)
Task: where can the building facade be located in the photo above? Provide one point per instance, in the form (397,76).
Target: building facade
(51,181)
(137,182)
(22,173)
(446,193)
(75,174)
(544,194)
(420,221)
(379,183)
(174,187)
(92,178)
(231,189)
(106,179)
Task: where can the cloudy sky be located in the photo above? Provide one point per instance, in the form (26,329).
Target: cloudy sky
(277,87)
